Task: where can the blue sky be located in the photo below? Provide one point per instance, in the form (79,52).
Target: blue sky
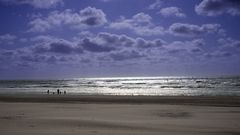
(101,38)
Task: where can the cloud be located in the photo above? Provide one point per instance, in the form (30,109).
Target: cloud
(43,38)
(102,47)
(87,17)
(172,12)
(95,47)
(190,30)
(36,3)
(7,39)
(33,58)
(193,46)
(125,55)
(227,47)
(91,16)
(101,43)
(140,24)
(218,7)
(157,4)
(116,40)
(58,46)
(107,0)
(142,43)
(229,42)
(218,54)
(85,34)
(106,42)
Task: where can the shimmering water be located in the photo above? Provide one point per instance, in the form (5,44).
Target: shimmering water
(165,86)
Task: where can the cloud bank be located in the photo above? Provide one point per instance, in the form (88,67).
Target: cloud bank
(218,7)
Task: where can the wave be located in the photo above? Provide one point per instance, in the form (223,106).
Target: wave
(131,86)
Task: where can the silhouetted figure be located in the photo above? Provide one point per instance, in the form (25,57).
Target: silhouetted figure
(48,91)
(65,92)
(58,91)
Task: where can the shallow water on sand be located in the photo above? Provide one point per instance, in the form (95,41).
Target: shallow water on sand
(164,86)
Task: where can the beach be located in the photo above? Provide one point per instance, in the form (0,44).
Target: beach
(53,114)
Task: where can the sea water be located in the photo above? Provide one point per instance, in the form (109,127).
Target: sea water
(158,86)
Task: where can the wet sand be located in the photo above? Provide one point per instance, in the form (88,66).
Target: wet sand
(103,116)
(233,101)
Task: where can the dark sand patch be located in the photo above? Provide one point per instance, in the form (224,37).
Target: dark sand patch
(174,114)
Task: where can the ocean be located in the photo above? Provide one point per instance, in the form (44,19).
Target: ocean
(149,86)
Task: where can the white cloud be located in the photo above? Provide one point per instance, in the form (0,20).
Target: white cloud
(140,24)
(7,39)
(190,30)
(172,11)
(193,46)
(36,3)
(106,0)
(88,17)
(157,4)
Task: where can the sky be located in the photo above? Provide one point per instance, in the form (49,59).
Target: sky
(55,39)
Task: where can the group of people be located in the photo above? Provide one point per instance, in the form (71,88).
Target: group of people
(58,92)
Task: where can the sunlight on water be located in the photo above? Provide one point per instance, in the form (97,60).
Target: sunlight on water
(165,86)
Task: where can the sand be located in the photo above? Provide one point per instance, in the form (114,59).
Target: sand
(40,117)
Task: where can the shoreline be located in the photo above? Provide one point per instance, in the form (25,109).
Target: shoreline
(225,101)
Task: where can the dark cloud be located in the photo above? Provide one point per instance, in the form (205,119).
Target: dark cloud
(87,17)
(7,53)
(40,59)
(33,58)
(95,47)
(35,3)
(218,54)
(6,56)
(106,42)
(125,55)
(190,30)
(218,7)
(59,46)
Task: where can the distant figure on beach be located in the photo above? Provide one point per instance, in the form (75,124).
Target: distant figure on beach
(65,92)
(58,91)
(47,91)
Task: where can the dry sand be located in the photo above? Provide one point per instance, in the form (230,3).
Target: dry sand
(41,118)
